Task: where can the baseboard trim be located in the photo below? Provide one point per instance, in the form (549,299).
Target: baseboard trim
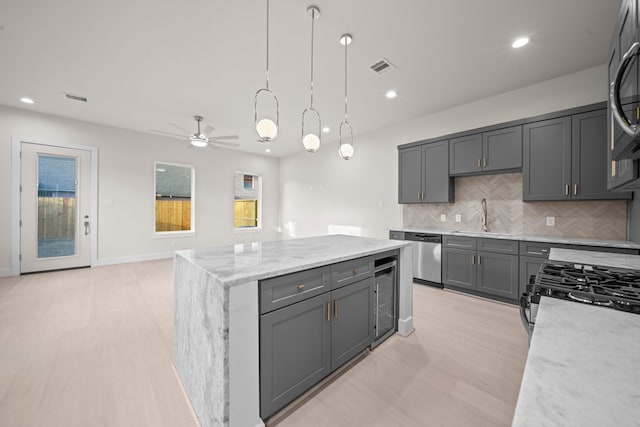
(129,259)
(6,272)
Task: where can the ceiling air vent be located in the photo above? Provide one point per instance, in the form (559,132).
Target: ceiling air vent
(382,66)
(75,97)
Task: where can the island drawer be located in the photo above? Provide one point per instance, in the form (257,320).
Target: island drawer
(351,271)
(281,291)
(501,246)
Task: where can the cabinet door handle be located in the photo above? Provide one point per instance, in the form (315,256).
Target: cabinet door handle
(473,260)
(566,190)
(329,311)
(479,260)
(423,195)
(335,309)
(575,189)
(484,162)
(478,163)
(419,193)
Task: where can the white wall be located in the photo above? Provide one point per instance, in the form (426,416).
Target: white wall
(126,177)
(320,189)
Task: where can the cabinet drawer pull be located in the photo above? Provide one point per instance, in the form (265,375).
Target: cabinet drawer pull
(329,311)
(335,309)
(355,271)
(566,190)
(301,286)
(575,189)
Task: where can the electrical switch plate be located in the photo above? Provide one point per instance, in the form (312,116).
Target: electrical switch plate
(458,218)
(551,221)
(443,218)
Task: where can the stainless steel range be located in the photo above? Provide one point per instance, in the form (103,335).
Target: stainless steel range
(614,288)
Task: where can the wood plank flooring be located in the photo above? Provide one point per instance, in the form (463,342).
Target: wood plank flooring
(93,347)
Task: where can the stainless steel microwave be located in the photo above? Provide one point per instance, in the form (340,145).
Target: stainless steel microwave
(624,107)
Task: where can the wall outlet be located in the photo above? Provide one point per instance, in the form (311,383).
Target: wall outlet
(443,218)
(551,221)
(458,218)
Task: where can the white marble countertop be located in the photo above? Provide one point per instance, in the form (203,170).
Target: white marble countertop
(626,244)
(595,258)
(583,368)
(240,263)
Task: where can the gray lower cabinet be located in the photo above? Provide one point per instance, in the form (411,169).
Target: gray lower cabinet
(497,274)
(492,271)
(529,266)
(423,174)
(305,341)
(295,351)
(352,323)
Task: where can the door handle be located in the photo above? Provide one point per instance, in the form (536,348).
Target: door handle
(86,225)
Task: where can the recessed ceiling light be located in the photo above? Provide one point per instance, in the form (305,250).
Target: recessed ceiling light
(267,150)
(326,129)
(391,94)
(520,42)
(27,100)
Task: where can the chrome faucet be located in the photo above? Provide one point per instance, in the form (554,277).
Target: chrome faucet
(484,215)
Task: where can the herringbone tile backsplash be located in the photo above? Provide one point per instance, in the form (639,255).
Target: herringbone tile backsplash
(507,212)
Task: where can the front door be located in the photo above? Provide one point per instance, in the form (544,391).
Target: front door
(54,208)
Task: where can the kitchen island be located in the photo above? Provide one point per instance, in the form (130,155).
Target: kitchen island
(216,303)
(583,367)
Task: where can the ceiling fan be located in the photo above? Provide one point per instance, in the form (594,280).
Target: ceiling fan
(201,139)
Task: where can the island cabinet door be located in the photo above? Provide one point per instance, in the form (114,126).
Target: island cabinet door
(294,351)
(352,323)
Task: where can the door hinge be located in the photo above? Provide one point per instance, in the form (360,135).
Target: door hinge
(21,188)
(20,154)
(20,257)
(20,223)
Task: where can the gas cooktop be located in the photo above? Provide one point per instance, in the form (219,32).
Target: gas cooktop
(609,287)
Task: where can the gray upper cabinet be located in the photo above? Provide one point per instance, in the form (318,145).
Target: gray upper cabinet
(465,154)
(502,149)
(496,151)
(566,159)
(423,174)
(546,173)
(589,157)
(410,175)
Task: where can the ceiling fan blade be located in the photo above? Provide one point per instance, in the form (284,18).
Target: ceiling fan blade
(168,133)
(207,130)
(223,143)
(226,137)
(181,128)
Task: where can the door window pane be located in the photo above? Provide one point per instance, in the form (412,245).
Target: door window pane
(174,187)
(247,200)
(56,206)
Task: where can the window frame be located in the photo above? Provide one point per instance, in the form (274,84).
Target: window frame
(260,204)
(177,233)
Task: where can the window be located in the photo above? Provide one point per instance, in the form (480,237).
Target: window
(247,202)
(174,198)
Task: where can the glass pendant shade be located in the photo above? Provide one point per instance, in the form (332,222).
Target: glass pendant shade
(266,126)
(311,142)
(346,151)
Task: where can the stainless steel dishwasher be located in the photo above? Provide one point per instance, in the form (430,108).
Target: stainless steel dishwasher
(427,257)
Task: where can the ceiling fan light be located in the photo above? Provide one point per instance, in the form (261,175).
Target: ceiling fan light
(267,130)
(311,142)
(198,141)
(346,151)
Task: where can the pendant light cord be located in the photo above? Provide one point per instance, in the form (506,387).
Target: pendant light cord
(267,72)
(313,18)
(345,79)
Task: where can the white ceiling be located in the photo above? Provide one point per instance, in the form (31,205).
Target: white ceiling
(145,63)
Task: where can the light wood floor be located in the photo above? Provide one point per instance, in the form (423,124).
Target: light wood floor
(93,347)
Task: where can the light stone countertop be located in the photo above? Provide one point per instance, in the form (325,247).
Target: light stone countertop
(625,244)
(582,369)
(595,258)
(241,263)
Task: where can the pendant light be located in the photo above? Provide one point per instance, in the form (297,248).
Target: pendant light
(346,144)
(310,134)
(266,128)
